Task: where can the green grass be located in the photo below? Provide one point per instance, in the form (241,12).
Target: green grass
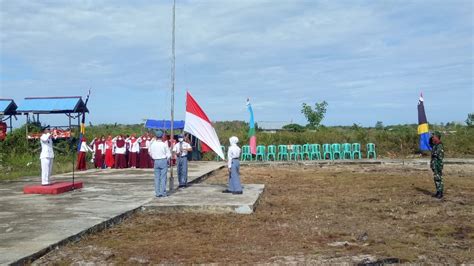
(19,157)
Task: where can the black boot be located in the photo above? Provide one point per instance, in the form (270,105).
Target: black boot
(436,195)
(439,195)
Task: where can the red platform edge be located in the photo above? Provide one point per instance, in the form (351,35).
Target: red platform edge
(56,188)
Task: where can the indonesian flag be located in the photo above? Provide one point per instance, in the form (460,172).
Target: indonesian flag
(198,124)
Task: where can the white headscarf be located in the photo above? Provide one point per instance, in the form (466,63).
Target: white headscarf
(233,140)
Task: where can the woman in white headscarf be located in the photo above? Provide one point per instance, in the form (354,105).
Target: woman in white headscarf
(233,163)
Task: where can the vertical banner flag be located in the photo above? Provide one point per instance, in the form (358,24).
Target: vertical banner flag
(198,124)
(82,131)
(423,130)
(252,136)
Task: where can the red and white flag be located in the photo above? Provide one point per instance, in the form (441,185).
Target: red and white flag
(198,124)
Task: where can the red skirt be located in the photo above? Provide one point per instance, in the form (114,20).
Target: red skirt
(132,159)
(98,159)
(81,161)
(109,158)
(120,161)
(144,160)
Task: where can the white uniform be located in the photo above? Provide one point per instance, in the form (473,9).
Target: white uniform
(133,146)
(100,147)
(85,148)
(159,150)
(119,150)
(47,157)
(181,148)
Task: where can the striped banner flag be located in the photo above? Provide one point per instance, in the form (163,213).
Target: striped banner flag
(252,136)
(423,130)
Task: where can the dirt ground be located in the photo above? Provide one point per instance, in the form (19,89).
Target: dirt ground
(310,214)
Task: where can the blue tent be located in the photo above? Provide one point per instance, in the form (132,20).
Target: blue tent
(52,105)
(163,124)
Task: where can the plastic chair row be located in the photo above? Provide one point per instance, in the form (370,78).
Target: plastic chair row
(307,152)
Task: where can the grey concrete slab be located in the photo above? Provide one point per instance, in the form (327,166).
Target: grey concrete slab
(33,224)
(208,198)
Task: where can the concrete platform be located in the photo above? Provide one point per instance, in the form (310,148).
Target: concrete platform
(33,224)
(53,189)
(207,198)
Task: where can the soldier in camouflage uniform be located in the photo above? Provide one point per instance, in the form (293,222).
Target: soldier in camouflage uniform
(436,164)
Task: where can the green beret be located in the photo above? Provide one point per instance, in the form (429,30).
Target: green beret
(437,134)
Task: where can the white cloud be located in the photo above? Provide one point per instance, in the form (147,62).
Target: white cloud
(371,54)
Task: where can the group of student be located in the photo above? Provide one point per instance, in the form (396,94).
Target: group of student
(118,152)
(148,151)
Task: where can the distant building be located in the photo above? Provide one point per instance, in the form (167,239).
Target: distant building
(272,126)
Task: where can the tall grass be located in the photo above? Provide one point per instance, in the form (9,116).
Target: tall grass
(19,157)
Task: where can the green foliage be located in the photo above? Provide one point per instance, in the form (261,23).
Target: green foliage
(315,116)
(20,157)
(294,127)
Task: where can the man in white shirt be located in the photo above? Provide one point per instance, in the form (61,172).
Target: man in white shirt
(46,157)
(160,153)
(181,150)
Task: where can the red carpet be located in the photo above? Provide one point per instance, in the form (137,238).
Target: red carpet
(56,188)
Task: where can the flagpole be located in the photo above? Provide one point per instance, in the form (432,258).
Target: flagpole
(171,187)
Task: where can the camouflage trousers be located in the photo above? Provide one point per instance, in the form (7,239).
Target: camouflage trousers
(438,179)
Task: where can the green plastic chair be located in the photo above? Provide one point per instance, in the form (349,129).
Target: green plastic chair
(356,150)
(296,152)
(246,153)
(327,151)
(306,152)
(260,152)
(371,150)
(336,150)
(271,151)
(315,151)
(346,151)
(223,151)
(282,152)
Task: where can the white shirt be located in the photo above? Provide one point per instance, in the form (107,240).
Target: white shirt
(46,146)
(181,148)
(84,147)
(159,150)
(232,153)
(133,147)
(100,147)
(118,150)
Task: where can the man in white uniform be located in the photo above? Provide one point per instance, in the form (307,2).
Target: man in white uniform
(181,150)
(160,153)
(46,157)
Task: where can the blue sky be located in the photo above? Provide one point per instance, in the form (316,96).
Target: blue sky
(368,59)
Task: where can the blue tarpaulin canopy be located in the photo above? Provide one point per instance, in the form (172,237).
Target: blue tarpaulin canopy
(7,107)
(52,105)
(163,124)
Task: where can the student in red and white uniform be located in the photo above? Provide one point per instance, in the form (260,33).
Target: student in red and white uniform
(133,151)
(81,157)
(109,152)
(98,145)
(120,150)
(144,157)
